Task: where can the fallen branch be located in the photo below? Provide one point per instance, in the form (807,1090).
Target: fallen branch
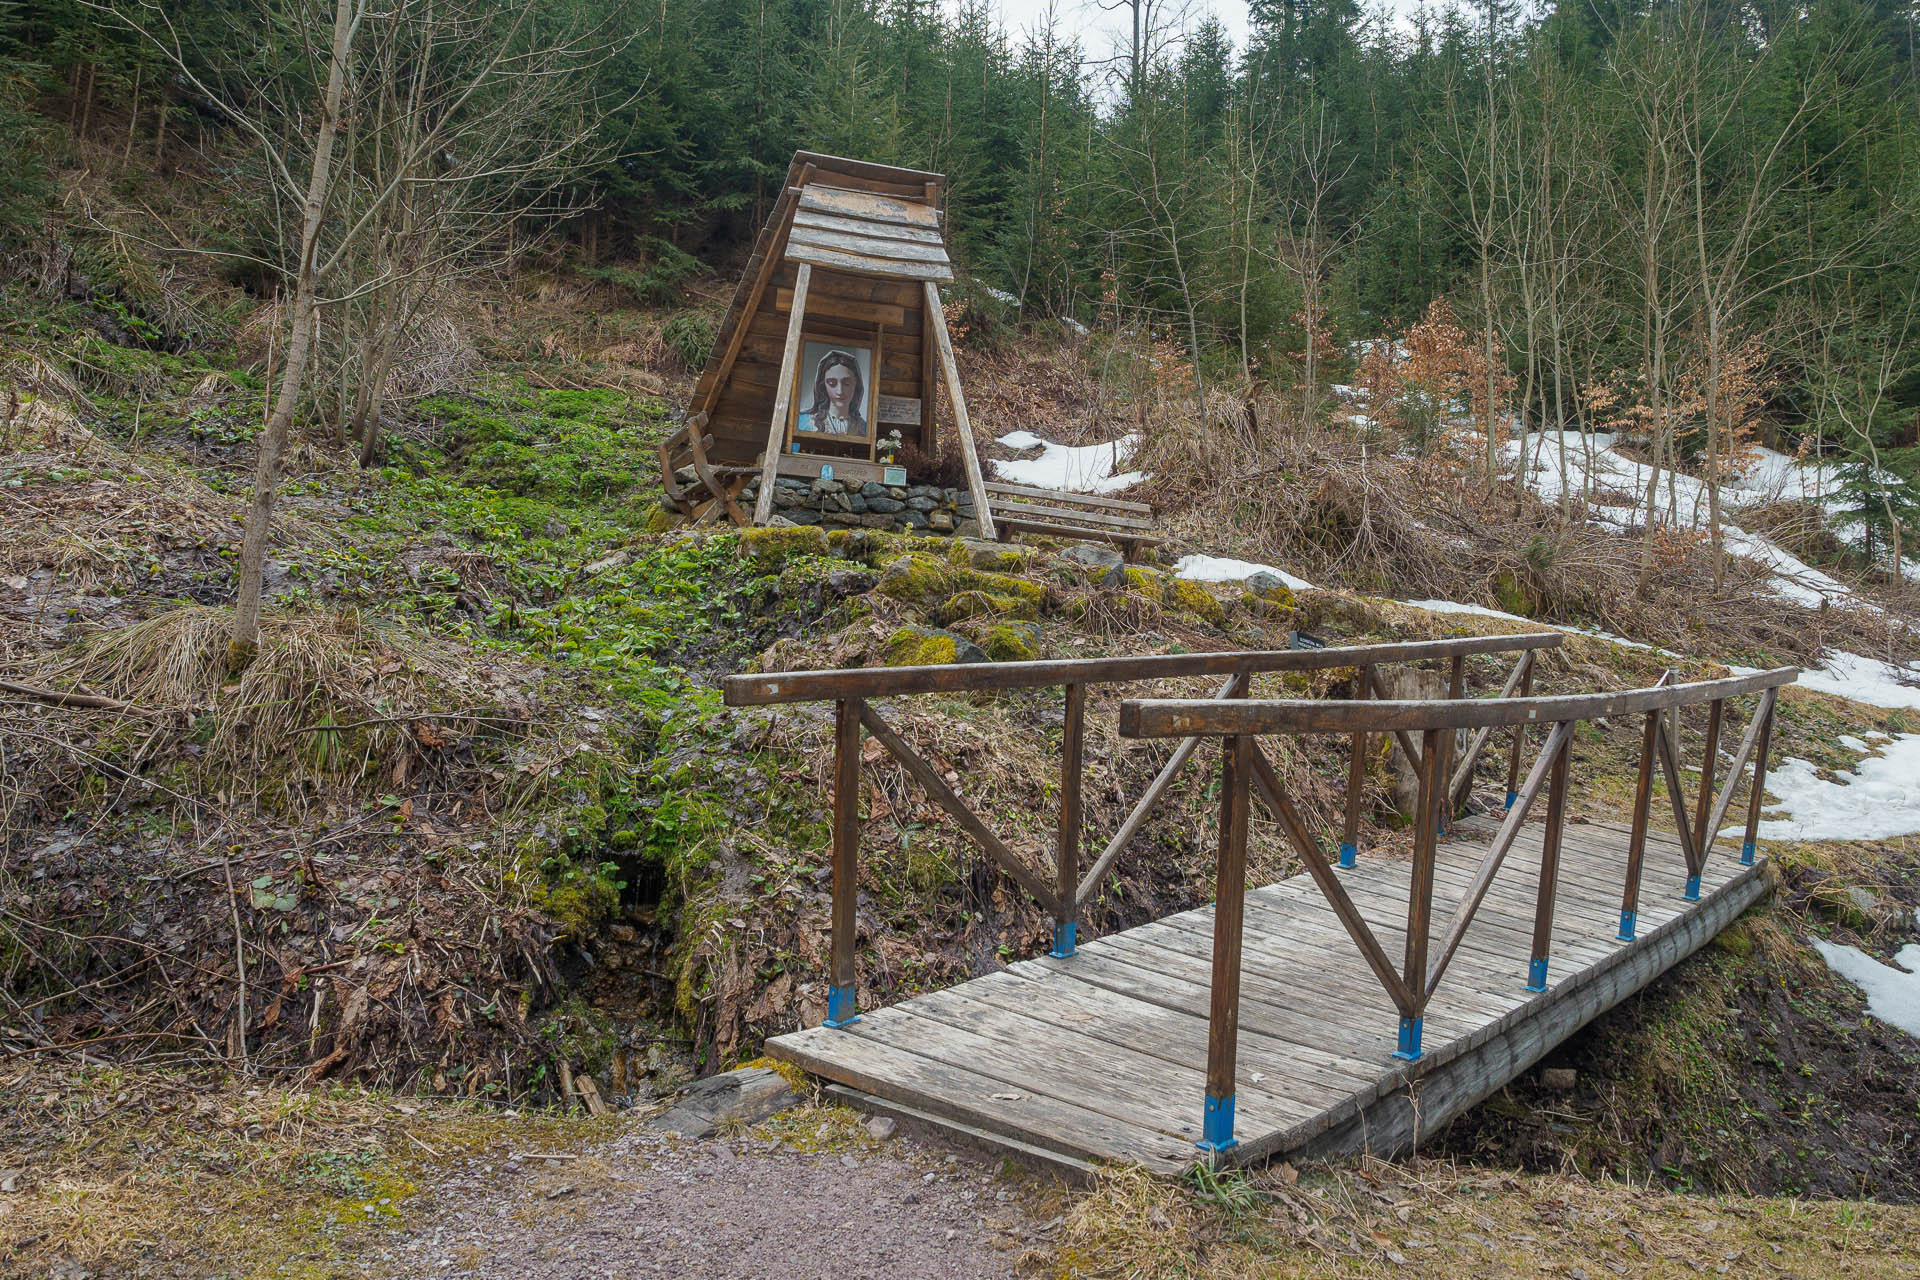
(58,698)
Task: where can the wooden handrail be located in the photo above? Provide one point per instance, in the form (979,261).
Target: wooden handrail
(1184,717)
(776,687)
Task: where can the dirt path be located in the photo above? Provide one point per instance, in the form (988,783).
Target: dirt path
(816,1196)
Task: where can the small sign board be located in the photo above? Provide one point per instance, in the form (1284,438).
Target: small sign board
(900,411)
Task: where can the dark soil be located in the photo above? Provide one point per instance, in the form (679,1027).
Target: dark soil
(1750,1068)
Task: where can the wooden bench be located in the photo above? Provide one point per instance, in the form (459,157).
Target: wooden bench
(1086,517)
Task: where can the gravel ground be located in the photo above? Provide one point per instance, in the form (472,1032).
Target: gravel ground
(643,1205)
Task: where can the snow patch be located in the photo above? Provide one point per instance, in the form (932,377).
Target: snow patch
(1478,610)
(1868,680)
(1878,801)
(1092,468)
(1893,994)
(1570,462)
(1221,569)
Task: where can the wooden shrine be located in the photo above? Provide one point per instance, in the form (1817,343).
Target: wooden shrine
(831,344)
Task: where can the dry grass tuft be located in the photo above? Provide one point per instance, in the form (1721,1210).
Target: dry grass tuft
(330,702)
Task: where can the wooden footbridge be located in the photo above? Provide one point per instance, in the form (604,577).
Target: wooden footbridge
(1324,1015)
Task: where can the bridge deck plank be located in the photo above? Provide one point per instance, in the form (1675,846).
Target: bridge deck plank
(1102,1055)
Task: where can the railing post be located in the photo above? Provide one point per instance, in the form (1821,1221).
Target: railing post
(1519,733)
(1229,906)
(1549,867)
(1356,783)
(1709,764)
(843,1007)
(1433,780)
(1757,799)
(1443,779)
(1066,878)
(1637,843)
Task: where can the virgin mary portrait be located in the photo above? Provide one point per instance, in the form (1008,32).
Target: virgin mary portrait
(839,397)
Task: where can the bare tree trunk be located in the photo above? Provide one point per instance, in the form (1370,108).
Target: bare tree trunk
(245,640)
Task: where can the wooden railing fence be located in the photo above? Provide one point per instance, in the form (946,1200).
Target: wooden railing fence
(1245,769)
(854,691)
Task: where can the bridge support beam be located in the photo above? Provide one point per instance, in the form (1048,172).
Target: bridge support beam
(1549,865)
(1229,913)
(843,1008)
(1066,868)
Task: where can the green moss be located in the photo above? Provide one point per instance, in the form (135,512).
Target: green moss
(1012,641)
(916,579)
(919,578)
(1145,586)
(661,520)
(920,647)
(989,556)
(981,604)
(773,546)
(1511,595)
(1192,598)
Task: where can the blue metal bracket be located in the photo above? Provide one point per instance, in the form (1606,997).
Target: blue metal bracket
(842,1011)
(1627,919)
(1511,797)
(1347,854)
(1537,974)
(1217,1128)
(1746,853)
(1063,938)
(1409,1050)
(1693,889)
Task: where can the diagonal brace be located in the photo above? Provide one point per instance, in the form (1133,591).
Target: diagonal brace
(944,796)
(1497,854)
(1316,863)
(1747,742)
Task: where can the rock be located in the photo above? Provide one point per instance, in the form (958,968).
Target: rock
(886,503)
(1106,565)
(916,646)
(780,522)
(1559,1079)
(1863,901)
(852,502)
(940,521)
(788,497)
(1012,641)
(913,519)
(873,489)
(897,492)
(828,486)
(747,1096)
(1267,582)
(880,1128)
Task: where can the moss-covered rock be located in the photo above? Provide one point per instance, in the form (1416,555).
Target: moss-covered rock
(930,583)
(1194,599)
(776,545)
(962,605)
(973,553)
(1012,641)
(928,647)
(1145,586)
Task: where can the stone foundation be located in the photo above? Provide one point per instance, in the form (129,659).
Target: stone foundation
(846,504)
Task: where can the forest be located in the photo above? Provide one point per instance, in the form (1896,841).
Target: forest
(392,884)
(1694,221)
